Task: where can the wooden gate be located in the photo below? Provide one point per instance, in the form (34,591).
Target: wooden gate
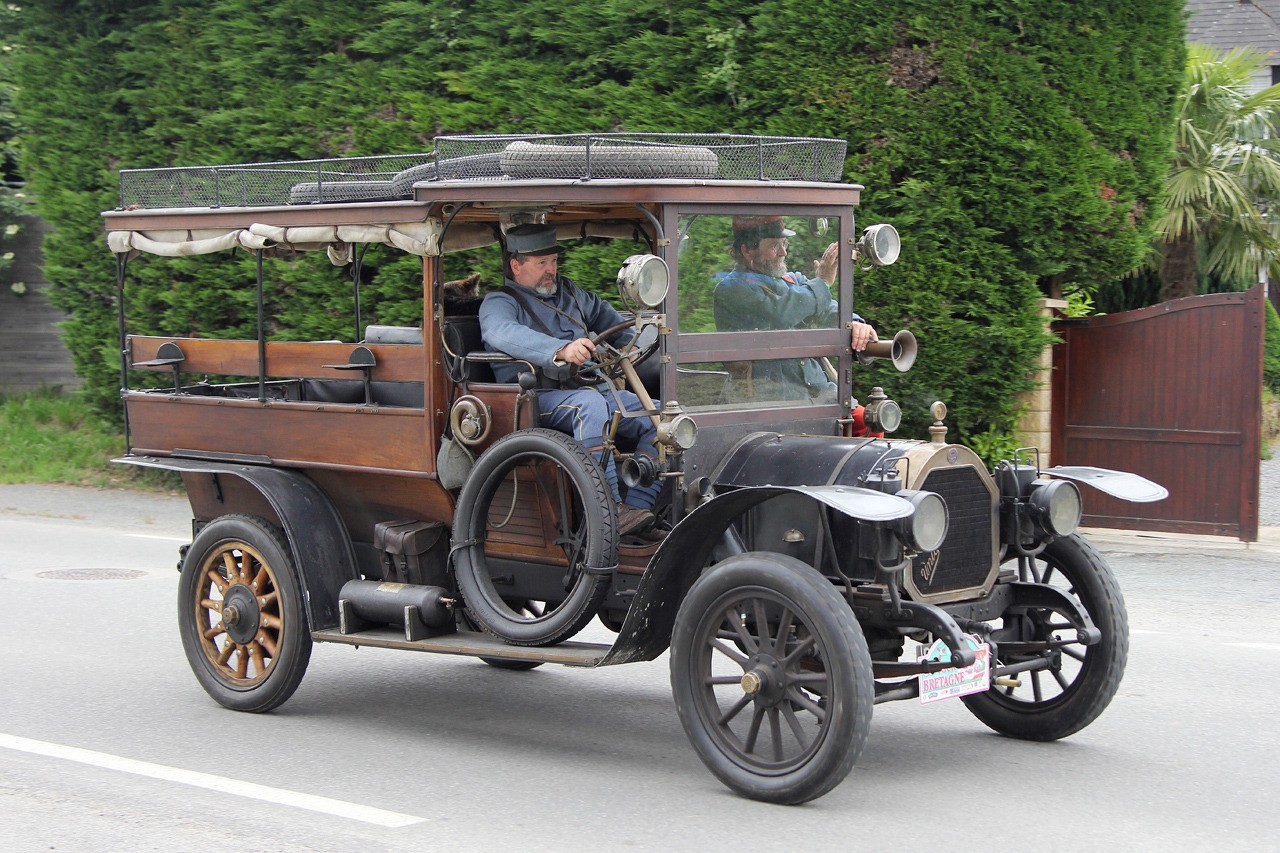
(1174,393)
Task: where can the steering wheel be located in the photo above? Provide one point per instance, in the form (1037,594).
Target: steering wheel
(607,365)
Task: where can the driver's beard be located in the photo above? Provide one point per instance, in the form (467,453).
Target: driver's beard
(545,288)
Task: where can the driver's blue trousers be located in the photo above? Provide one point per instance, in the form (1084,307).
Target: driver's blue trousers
(585,414)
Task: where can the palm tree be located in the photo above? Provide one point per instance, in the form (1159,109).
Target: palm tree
(1225,174)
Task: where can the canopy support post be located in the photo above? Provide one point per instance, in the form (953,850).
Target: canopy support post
(262,337)
(357,270)
(122,262)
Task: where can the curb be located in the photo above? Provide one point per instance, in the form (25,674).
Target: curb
(1154,542)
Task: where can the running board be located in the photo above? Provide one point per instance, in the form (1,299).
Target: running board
(470,643)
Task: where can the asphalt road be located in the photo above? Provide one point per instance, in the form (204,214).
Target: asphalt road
(108,744)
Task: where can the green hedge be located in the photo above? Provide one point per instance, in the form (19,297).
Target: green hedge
(1271,350)
(1017,145)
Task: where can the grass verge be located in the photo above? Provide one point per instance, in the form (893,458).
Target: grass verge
(52,437)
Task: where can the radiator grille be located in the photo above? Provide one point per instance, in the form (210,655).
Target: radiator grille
(965,559)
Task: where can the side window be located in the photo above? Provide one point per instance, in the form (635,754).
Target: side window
(749,274)
(741,273)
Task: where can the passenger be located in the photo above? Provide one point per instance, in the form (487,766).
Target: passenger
(545,319)
(759,293)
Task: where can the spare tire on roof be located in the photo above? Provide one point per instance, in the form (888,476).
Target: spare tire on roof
(530,160)
(452,168)
(332,192)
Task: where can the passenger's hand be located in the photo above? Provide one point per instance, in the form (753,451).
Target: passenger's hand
(828,266)
(861,334)
(577,352)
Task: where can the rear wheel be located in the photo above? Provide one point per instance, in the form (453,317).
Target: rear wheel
(540,497)
(772,678)
(240,614)
(1079,681)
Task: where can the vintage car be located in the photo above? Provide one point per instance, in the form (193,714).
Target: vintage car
(386,491)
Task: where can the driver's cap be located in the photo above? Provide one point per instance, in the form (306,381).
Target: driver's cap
(532,240)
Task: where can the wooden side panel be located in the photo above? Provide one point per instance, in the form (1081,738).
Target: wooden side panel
(290,434)
(1171,392)
(396,362)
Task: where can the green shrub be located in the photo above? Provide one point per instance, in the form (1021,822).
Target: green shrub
(1271,350)
(1019,146)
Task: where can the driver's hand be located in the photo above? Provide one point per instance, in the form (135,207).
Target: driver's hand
(576,352)
(861,334)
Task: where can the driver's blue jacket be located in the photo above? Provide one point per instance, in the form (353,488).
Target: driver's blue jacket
(507,327)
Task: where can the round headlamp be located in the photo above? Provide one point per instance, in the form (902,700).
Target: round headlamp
(880,244)
(926,528)
(681,432)
(884,416)
(1057,507)
(643,280)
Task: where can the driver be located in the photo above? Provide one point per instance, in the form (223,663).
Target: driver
(547,320)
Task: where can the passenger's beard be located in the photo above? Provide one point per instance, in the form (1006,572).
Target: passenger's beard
(777,267)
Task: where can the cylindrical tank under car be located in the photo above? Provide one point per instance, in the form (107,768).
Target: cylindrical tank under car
(964,567)
(386,603)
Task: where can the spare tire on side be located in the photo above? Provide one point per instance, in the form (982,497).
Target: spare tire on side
(544,481)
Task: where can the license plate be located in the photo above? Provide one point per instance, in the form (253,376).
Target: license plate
(955,681)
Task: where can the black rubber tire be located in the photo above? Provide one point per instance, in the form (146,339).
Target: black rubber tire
(708,678)
(596,534)
(255,673)
(1085,677)
(530,160)
(497,663)
(512,665)
(452,168)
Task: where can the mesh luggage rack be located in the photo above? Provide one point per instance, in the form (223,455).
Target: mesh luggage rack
(620,156)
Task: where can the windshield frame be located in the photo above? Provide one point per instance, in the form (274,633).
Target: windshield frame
(691,348)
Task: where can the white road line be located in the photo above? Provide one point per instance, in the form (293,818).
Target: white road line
(161,538)
(324,805)
(1270,647)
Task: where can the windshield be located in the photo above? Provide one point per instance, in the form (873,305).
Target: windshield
(751,274)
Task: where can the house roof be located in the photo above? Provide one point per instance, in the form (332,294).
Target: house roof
(1235,23)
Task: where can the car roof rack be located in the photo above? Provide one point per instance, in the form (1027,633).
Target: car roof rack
(487,158)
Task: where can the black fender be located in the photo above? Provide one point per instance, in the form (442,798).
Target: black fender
(1119,484)
(318,539)
(692,544)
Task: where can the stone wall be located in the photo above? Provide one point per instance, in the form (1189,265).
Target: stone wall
(31,352)
(1034,426)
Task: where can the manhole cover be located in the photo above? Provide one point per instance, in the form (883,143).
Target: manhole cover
(91,574)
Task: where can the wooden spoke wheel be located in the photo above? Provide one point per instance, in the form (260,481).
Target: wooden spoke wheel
(240,614)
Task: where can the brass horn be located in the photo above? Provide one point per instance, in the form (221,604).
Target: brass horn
(901,351)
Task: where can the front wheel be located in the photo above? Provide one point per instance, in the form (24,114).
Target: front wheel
(1078,681)
(772,678)
(240,614)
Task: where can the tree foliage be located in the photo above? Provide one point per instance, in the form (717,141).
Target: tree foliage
(12,199)
(1019,146)
(1225,174)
